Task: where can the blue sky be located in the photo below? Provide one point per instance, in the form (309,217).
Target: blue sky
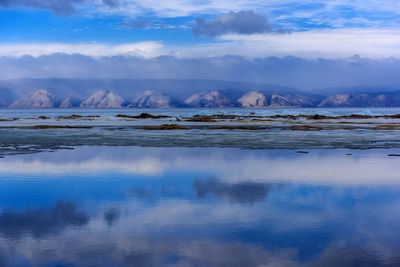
(205,28)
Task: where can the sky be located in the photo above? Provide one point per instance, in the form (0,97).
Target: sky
(34,30)
(202,28)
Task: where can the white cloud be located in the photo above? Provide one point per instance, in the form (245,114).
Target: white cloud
(372,43)
(176,8)
(143,49)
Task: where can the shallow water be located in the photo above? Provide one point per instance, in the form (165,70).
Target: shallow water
(110,113)
(142,206)
(29,134)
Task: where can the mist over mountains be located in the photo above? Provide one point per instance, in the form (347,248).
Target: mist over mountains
(289,71)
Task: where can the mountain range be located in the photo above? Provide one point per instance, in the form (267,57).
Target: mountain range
(189,93)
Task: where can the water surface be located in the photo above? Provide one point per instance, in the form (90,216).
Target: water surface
(141,206)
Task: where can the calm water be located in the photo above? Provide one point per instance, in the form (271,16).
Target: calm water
(143,206)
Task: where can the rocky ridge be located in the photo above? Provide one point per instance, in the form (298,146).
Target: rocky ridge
(103,99)
(152,99)
(39,99)
(361,100)
(66,103)
(208,99)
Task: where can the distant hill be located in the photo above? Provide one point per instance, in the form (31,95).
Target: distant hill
(131,93)
(152,99)
(211,99)
(261,99)
(39,99)
(132,88)
(103,99)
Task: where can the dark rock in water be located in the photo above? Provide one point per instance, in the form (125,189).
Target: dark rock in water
(305,128)
(386,127)
(394,155)
(211,118)
(355,116)
(396,116)
(291,117)
(319,117)
(43,118)
(60,127)
(165,127)
(302,152)
(143,116)
(75,116)
(13,119)
(201,119)
(241,127)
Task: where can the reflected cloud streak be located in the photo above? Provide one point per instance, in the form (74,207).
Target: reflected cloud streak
(41,221)
(229,165)
(244,192)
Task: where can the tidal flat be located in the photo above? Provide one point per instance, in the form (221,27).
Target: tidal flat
(196,187)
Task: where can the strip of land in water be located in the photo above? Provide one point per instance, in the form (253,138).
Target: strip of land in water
(49,132)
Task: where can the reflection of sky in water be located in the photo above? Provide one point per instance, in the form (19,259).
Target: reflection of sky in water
(97,206)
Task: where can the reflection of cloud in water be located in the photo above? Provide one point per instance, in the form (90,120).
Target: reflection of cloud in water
(321,225)
(111,215)
(118,249)
(124,250)
(42,221)
(243,192)
(355,256)
(230,165)
(177,232)
(97,165)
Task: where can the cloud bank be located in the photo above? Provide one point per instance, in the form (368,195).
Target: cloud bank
(288,71)
(371,43)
